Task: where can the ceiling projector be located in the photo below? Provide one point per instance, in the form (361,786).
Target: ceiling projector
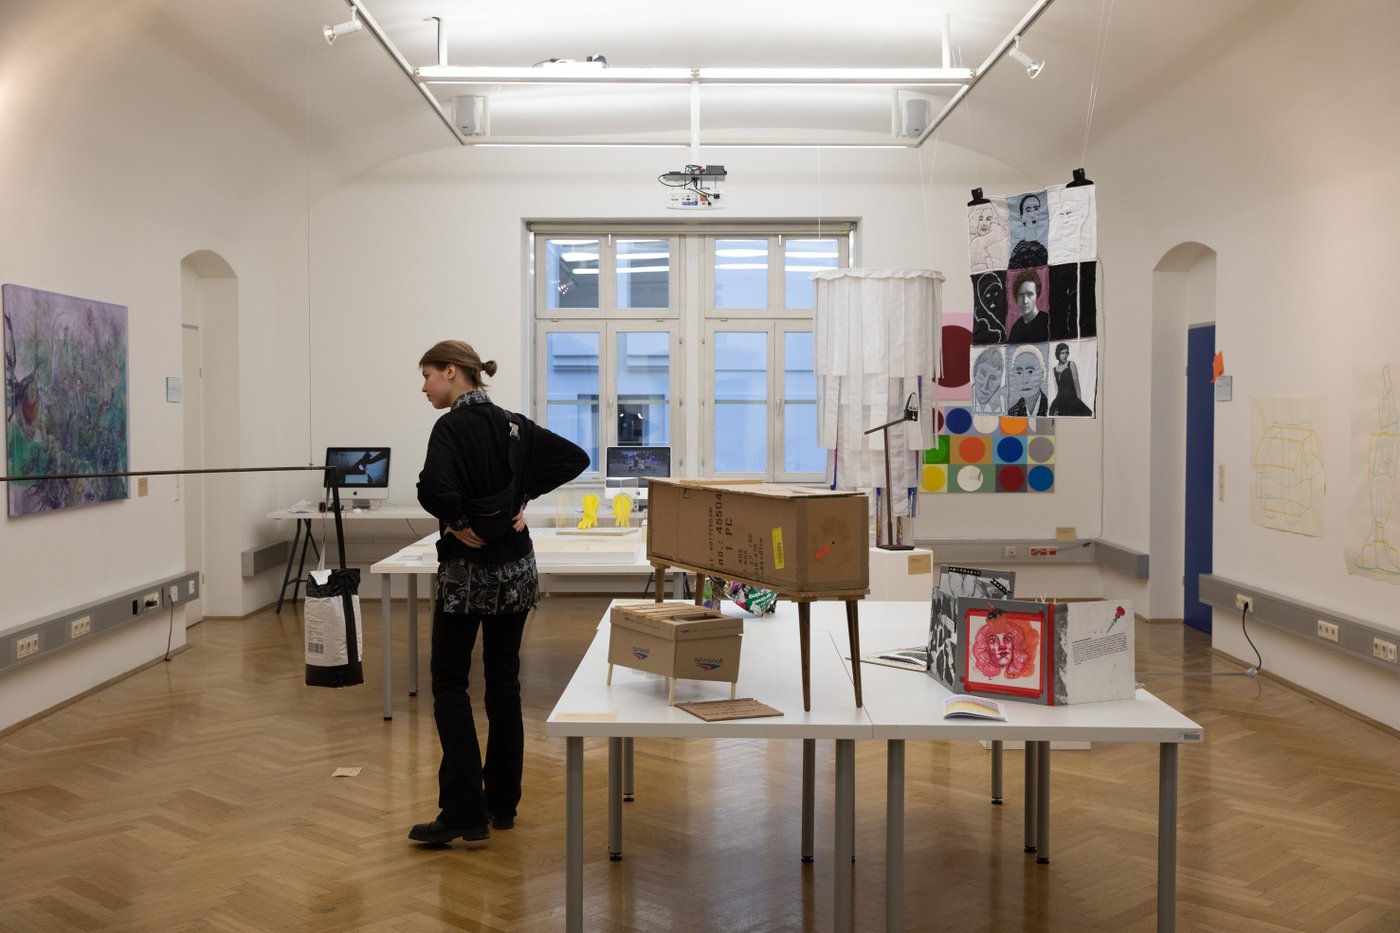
(694,188)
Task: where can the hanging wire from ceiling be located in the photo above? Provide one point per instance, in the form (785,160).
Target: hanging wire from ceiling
(925,189)
(306,88)
(971,130)
(1105,16)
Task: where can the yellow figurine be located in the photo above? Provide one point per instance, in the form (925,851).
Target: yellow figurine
(590,512)
(622,510)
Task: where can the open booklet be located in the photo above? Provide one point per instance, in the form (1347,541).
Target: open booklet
(962,706)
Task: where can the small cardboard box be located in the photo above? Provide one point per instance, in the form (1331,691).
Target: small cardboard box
(792,539)
(676,640)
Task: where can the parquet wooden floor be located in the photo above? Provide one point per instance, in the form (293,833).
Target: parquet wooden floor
(197,795)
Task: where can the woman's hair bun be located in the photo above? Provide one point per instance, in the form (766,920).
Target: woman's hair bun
(489,367)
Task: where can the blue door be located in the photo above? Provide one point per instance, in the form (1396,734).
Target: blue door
(1200,460)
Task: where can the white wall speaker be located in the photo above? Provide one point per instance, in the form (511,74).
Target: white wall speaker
(469,115)
(915,116)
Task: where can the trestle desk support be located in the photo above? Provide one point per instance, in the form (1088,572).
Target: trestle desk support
(996,772)
(573,871)
(894,836)
(1042,800)
(809,778)
(1166,837)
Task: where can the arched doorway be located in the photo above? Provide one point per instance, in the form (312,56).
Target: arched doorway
(1183,299)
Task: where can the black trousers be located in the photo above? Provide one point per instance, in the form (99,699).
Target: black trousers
(469,789)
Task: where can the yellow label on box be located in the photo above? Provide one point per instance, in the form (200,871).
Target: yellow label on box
(778,561)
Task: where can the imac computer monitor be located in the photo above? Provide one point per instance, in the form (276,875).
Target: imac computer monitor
(360,473)
(628,469)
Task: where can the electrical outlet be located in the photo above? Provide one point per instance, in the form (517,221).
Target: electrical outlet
(192,588)
(1327,630)
(26,646)
(1244,602)
(1008,550)
(1385,650)
(151,600)
(174,591)
(80,627)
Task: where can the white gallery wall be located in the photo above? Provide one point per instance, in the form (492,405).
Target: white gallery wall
(123,151)
(1271,150)
(156,153)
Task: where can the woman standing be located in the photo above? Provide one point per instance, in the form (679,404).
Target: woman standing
(1068,402)
(483,464)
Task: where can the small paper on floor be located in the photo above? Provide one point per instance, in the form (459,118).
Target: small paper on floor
(347,772)
(717,710)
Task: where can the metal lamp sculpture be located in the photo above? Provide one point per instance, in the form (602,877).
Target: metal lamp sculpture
(911,413)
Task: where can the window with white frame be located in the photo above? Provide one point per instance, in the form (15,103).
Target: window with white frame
(613,309)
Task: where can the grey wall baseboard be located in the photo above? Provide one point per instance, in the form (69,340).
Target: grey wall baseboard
(93,620)
(1039,551)
(1355,637)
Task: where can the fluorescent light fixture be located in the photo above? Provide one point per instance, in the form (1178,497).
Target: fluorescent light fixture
(342,29)
(590,73)
(898,77)
(1033,67)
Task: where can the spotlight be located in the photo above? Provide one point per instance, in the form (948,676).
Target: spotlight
(342,29)
(1033,67)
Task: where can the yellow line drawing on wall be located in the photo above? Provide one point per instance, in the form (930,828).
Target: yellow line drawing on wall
(1286,461)
(1378,554)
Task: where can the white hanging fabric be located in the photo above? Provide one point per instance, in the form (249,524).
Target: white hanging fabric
(877,342)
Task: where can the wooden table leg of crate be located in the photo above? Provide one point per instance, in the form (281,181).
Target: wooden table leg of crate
(804,634)
(853,632)
(661,572)
(699,589)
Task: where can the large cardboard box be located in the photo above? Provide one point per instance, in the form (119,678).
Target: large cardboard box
(792,539)
(676,640)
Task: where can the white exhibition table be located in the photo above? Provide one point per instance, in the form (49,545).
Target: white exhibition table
(899,705)
(305,524)
(420,557)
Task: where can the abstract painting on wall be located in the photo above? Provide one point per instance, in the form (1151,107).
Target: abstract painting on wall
(977,452)
(1289,481)
(65,399)
(1033,258)
(1373,532)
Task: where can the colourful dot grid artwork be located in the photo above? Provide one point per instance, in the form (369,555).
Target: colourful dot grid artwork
(988,453)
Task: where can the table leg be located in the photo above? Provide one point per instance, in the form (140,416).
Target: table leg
(1030,793)
(661,571)
(996,772)
(699,587)
(627,772)
(845,837)
(894,836)
(853,632)
(291,559)
(413,634)
(1166,839)
(809,783)
(804,634)
(573,844)
(615,799)
(1042,793)
(384,581)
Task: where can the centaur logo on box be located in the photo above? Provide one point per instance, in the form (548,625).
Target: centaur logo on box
(709,664)
(641,654)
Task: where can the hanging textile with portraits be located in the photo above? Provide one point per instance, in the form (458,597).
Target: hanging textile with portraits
(1033,260)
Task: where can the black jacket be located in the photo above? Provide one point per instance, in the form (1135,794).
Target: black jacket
(467,476)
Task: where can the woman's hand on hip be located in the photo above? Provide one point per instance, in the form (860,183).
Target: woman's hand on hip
(468,537)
